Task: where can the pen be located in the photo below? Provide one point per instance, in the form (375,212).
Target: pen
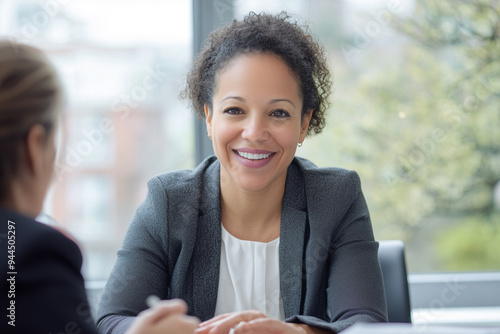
(152,300)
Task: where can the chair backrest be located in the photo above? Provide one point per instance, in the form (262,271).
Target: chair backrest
(391,256)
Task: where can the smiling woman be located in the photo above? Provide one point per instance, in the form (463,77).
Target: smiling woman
(254,239)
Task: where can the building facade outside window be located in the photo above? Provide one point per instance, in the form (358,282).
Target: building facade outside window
(122,64)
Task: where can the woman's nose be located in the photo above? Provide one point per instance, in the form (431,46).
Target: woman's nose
(256,129)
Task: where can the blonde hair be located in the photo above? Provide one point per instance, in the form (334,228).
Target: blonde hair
(29,94)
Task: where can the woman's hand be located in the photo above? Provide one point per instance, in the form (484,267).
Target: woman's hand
(221,324)
(168,316)
(269,326)
(250,322)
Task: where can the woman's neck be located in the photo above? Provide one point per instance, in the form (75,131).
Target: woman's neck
(252,216)
(21,200)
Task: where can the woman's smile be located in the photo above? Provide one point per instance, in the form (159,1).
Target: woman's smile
(253,158)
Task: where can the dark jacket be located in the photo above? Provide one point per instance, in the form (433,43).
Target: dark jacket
(42,285)
(329,271)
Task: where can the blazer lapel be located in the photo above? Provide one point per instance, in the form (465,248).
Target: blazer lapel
(293,224)
(292,235)
(207,249)
(206,265)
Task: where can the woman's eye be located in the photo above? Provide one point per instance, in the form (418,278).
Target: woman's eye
(280,113)
(233,111)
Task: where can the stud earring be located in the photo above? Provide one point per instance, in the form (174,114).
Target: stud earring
(299,144)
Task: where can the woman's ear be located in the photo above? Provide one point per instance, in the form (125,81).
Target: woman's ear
(208,120)
(35,152)
(306,119)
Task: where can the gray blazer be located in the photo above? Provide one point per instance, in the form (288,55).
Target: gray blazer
(329,271)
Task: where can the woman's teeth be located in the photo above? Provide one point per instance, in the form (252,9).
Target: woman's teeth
(252,156)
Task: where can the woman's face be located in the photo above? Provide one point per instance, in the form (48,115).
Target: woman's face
(256,121)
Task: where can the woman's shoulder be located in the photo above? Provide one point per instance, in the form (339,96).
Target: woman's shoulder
(48,265)
(208,168)
(329,191)
(38,240)
(29,228)
(320,184)
(187,187)
(323,174)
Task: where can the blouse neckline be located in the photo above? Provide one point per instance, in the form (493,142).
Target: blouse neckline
(226,235)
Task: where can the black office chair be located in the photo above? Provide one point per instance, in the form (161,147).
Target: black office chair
(391,256)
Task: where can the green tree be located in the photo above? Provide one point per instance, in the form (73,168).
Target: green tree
(422,127)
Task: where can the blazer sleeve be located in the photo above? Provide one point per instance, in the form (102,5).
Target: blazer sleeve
(355,291)
(140,269)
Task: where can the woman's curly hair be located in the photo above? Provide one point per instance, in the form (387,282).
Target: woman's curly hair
(264,33)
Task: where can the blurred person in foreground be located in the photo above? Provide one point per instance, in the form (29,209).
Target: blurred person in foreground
(42,289)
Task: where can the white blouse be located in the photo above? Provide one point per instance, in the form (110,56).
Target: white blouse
(249,277)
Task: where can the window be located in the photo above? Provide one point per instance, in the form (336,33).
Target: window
(415,113)
(122,64)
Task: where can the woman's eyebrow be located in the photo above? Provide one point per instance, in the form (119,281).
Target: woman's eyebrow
(233,97)
(283,100)
(239,98)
